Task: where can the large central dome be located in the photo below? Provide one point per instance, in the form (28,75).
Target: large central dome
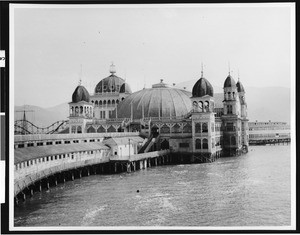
(158,101)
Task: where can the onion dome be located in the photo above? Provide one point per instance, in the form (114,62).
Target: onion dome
(229,82)
(125,88)
(240,87)
(155,102)
(80,94)
(111,83)
(202,87)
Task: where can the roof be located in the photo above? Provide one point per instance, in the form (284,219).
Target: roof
(203,87)
(122,140)
(125,88)
(229,82)
(111,83)
(240,87)
(80,94)
(155,102)
(29,153)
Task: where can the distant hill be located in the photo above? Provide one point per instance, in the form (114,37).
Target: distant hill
(264,104)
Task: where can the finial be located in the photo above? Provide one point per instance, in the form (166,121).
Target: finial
(238,75)
(201,70)
(228,67)
(161,80)
(112,69)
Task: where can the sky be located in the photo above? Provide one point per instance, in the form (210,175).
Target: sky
(147,43)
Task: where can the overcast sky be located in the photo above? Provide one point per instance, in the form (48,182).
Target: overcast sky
(147,44)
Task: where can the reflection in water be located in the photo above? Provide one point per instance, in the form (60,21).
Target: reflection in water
(250,190)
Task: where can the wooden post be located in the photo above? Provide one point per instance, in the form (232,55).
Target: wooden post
(116,168)
(141,164)
(134,166)
(145,163)
(47,185)
(128,167)
(72,176)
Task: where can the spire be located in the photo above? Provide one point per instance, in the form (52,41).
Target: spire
(80,75)
(112,68)
(201,70)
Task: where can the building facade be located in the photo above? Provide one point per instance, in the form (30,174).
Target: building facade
(200,122)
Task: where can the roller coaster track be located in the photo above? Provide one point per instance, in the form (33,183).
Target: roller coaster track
(24,127)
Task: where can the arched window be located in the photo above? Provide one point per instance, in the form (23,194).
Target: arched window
(96,103)
(72,110)
(100,102)
(92,102)
(108,102)
(81,109)
(198,144)
(104,102)
(205,144)
(195,106)
(73,129)
(113,102)
(76,110)
(204,127)
(233,140)
(79,130)
(206,106)
(117,101)
(201,106)
(197,128)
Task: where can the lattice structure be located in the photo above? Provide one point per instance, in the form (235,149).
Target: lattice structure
(24,127)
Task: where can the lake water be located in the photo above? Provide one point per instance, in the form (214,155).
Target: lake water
(249,190)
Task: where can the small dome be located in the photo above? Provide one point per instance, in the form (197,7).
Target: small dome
(203,87)
(125,88)
(229,82)
(155,102)
(240,87)
(80,94)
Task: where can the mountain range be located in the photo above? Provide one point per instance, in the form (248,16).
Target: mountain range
(264,104)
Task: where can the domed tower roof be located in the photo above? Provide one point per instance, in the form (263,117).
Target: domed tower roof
(229,82)
(240,87)
(111,83)
(155,102)
(202,87)
(80,94)
(125,88)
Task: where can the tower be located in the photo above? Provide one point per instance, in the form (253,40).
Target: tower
(244,116)
(81,110)
(232,143)
(203,118)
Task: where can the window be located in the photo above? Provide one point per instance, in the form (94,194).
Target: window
(197,128)
(204,127)
(198,144)
(67,142)
(229,109)
(49,143)
(20,145)
(39,144)
(116,152)
(92,140)
(57,142)
(205,144)
(30,145)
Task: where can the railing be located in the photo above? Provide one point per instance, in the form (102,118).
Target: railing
(23,180)
(40,137)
